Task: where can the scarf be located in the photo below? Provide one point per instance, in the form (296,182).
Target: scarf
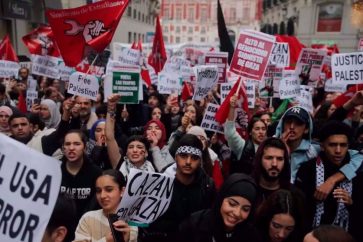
(342,215)
(127,165)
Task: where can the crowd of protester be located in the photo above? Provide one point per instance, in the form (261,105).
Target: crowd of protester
(296,178)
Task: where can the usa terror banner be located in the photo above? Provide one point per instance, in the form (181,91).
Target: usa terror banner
(90,26)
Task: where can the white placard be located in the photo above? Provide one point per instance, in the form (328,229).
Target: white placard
(347,68)
(225,89)
(31,95)
(309,65)
(207,78)
(209,122)
(126,55)
(289,87)
(9,69)
(32,83)
(65,71)
(251,93)
(46,66)
(169,83)
(83,85)
(334,87)
(29,184)
(147,196)
(280,55)
(305,99)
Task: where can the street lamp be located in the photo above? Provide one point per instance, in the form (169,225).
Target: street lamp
(357,13)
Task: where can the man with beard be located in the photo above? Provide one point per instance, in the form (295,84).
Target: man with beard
(272,168)
(44,141)
(86,116)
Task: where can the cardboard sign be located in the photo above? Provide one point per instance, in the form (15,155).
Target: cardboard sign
(126,82)
(29,184)
(83,85)
(147,196)
(209,122)
(251,93)
(207,78)
(271,80)
(31,95)
(280,55)
(169,83)
(252,54)
(289,87)
(309,65)
(219,59)
(125,55)
(9,69)
(347,68)
(225,89)
(46,66)
(334,87)
(305,99)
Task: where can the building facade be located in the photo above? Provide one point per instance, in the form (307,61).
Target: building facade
(189,21)
(19,17)
(313,22)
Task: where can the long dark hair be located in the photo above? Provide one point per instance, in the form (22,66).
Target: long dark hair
(285,175)
(281,202)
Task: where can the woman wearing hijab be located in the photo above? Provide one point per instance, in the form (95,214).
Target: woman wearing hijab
(5,113)
(49,113)
(228,220)
(155,133)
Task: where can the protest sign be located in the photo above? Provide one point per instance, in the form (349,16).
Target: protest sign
(126,82)
(31,83)
(251,93)
(209,122)
(45,66)
(309,65)
(271,78)
(31,95)
(219,59)
(289,87)
(225,89)
(334,87)
(83,85)
(9,69)
(280,55)
(65,71)
(99,61)
(207,78)
(147,196)
(29,184)
(305,99)
(169,83)
(252,54)
(360,44)
(125,55)
(347,68)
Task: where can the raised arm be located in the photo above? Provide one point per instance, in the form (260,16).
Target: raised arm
(112,146)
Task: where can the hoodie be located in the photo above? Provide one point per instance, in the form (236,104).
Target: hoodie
(308,150)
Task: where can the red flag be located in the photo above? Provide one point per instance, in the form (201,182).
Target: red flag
(222,112)
(217,175)
(144,71)
(186,92)
(332,49)
(342,99)
(41,42)
(133,46)
(6,50)
(158,57)
(89,26)
(22,103)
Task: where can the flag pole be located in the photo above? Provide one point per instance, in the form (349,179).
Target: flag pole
(93,62)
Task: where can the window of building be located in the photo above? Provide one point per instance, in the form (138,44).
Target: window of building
(203,14)
(177,39)
(177,29)
(190,39)
(202,39)
(178,14)
(135,37)
(143,17)
(166,39)
(190,30)
(139,16)
(166,29)
(190,14)
(203,31)
(135,14)
(130,38)
(330,17)
(184,28)
(129,11)
(232,16)
(196,28)
(166,13)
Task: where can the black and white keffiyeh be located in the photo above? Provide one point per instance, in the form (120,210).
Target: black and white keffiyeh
(342,214)
(189,150)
